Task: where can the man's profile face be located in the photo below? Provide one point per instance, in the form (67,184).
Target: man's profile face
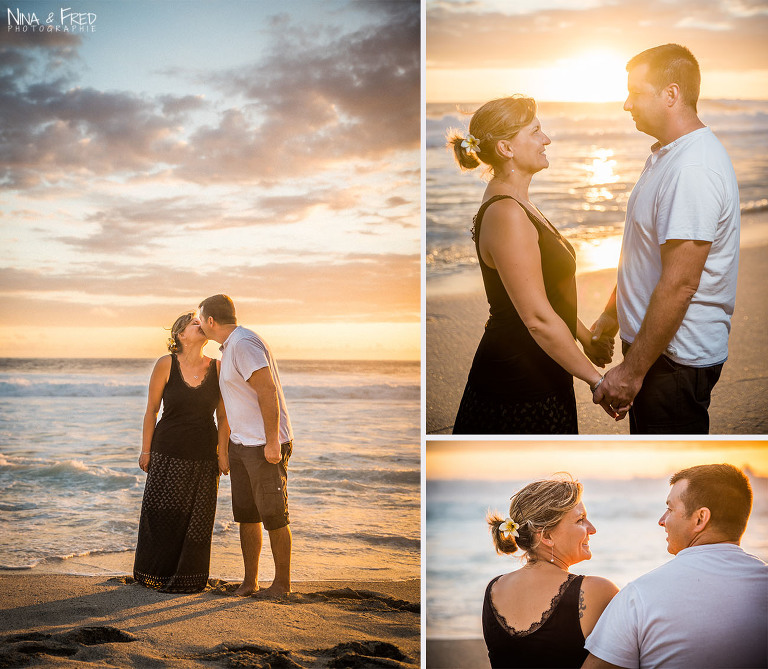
(675,521)
(203,323)
(643,102)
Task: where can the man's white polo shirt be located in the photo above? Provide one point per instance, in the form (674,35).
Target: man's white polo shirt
(243,353)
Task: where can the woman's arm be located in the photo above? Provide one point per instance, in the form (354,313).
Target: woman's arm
(599,351)
(223,447)
(596,593)
(221,420)
(509,242)
(157,383)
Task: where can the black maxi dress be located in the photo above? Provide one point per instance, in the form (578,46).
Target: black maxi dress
(174,546)
(514,387)
(555,641)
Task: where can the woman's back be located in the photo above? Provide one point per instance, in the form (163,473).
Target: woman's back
(530,622)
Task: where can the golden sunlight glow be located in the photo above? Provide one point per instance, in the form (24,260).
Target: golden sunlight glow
(499,461)
(596,76)
(591,76)
(318,341)
(596,254)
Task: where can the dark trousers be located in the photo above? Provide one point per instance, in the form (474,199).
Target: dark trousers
(674,398)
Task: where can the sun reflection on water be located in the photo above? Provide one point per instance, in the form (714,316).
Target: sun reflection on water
(600,173)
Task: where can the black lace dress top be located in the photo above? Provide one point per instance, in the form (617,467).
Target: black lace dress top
(555,641)
(509,362)
(514,387)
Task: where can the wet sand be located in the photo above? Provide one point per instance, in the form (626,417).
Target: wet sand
(67,621)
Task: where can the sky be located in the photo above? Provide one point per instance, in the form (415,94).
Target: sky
(502,460)
(153,154)
(577,50)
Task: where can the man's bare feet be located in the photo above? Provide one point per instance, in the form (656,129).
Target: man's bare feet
(245,589)
(275,590)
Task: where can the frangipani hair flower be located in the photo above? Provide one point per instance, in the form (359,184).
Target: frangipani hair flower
(508,527)
(471,144)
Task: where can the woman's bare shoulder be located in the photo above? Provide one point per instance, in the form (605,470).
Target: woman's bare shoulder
(599,587)
(163,362)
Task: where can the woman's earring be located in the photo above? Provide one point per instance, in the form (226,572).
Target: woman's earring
(553,553)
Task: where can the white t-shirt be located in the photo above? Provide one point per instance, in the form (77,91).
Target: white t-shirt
(687,190)
(243,353)
(706,608)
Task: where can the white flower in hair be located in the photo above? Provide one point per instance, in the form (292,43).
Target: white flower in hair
(508,527)
(471,144)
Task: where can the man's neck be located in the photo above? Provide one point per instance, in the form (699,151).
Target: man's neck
(678,128)
(224,333)
(711,540)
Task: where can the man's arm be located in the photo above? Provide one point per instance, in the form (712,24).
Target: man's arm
(607,324)
(264,385)
(682,262)
(593,662)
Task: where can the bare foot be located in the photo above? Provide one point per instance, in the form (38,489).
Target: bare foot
(275,590)
(246,590)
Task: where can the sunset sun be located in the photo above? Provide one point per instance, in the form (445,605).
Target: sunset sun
(592,76)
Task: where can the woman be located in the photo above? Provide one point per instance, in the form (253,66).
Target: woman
(521,380)
(179,454)
(539,615)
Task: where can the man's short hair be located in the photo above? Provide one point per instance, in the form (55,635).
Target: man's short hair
(220,308)
(671,64)
(724,490)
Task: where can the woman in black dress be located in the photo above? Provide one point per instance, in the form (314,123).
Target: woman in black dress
(540,615)
(179,454)
(521,380)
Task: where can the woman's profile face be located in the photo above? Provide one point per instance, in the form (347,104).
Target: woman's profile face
(193,332)
(529,148)
(571,536)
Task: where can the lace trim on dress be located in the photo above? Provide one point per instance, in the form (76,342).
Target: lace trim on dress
(544,616)
(212,363)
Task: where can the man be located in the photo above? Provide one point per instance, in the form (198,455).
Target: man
(679,259)
(260,442)
(708,607)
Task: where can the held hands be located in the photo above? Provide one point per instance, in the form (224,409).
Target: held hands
(599,351)
(223,464)
(272,452)
(617,391)
(144,462)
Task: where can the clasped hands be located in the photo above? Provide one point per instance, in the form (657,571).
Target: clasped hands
(618,388)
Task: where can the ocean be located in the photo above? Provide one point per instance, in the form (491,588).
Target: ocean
(595,157)
(71,488)
(461,560)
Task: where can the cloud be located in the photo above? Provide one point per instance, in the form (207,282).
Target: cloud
(330,99)
(128,225)
(466,37)
(319,102)
(350,288)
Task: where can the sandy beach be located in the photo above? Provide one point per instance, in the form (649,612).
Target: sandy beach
(457,654)
(454,324)
(67,621)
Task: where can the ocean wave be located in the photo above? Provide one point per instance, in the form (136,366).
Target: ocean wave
(374,391)
(362,478)
(20,386)
(71,473)
(27,387)
(19,506)
(390,541)
(754,206)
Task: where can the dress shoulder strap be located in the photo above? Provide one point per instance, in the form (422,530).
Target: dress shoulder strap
(478,219)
